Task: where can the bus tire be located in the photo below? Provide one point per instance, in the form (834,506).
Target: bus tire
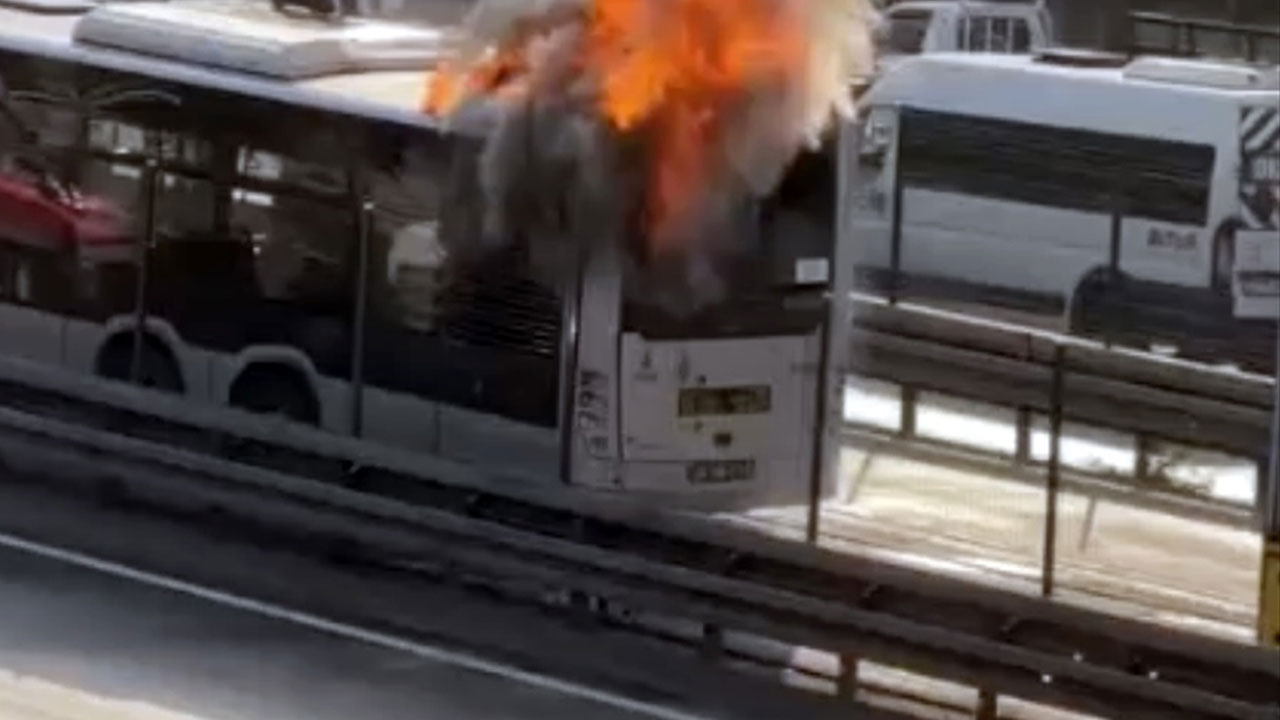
(1107,307)
(157,367)
(1088,316)
(275,389)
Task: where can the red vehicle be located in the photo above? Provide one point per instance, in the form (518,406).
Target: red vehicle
(38,212)
(56,244)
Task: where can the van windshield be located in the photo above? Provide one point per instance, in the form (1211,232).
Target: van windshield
(905,32)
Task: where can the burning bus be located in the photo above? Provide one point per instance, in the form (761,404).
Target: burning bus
(588,242)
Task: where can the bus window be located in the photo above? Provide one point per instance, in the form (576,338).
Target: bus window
(1073,169)
(7,279)
(452,318)
(302,255)
(33,277)
(184,206)
(772,278)
(407,272)
(310,176)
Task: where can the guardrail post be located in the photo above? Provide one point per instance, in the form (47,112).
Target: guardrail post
(1051,478)
(988,706)
(907,412)
(1271,488)
(895,217)
(1022,447)
(1142,459)
(847,677)
(712,647)
(1113,267)
(364,220)
(1269,595)
(149,189)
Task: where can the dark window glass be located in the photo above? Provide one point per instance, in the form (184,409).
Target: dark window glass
(35,277)
(304,175)
(976,28)
(1021,37)
(449,320)
(999,38)
(771,287)
(1142,177)
(906,32)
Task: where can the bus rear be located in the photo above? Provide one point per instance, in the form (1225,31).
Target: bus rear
(718,405)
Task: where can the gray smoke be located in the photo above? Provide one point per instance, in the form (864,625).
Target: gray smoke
(552,161)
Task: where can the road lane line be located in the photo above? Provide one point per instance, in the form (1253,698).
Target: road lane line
(420,650)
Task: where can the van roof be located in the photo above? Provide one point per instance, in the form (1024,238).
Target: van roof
(386,91)
(1112,99)
(1195,76)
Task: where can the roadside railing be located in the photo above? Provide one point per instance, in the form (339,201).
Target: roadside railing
(619,553)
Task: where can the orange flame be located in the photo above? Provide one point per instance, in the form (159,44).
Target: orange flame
(673,69)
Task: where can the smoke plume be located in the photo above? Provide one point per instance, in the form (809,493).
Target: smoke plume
(664,117)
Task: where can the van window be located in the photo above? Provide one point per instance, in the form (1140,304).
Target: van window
(1056,167)
(907,31)
(1021,41)
(973,34)
(998,35)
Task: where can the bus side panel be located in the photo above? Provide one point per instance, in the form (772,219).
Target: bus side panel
(506,446)
(30,334)
(594,423)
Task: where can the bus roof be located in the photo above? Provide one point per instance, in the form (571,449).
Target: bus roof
(379,93)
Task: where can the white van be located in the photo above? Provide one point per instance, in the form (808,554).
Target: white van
(1114,192)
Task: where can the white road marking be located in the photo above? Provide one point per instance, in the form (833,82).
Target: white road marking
(351,632)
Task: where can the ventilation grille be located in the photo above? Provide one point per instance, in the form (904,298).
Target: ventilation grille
(495,305)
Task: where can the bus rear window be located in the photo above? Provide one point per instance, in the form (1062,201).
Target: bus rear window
(774,282)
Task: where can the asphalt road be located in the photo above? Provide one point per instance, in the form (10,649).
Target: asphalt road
(78,644)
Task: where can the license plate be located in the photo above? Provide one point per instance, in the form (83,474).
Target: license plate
(714,472)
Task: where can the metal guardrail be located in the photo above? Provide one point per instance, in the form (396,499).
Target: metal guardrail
(1104,387)
(1069,379)
(1150,399)
(634,556)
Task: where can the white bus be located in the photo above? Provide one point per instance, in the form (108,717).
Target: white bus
(300,239)
(1115,194)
